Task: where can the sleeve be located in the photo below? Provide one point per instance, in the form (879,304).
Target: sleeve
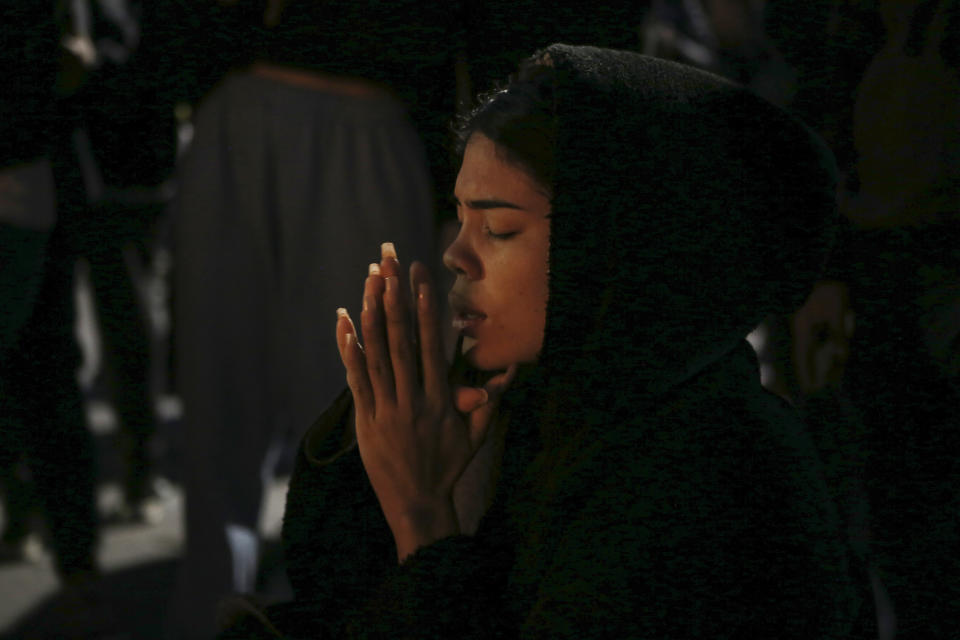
(341,558)
(336,542)
(716,530)
(556,583)
(711,536)
(454,588)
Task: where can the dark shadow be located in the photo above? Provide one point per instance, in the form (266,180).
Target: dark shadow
(129,603)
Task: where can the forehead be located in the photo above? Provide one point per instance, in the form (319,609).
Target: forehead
(485,172)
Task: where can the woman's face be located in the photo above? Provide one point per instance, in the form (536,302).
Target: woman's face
(499,257)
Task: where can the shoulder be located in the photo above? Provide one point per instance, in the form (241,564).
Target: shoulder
(336,541)
(714,491)
(332,434)
(327,466)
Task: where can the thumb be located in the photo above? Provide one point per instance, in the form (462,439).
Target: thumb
(468,399)
(480,418)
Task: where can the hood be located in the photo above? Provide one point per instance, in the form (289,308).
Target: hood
(685,209)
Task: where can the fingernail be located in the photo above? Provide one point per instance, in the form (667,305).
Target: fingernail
(387,250)
(391,282)
(374,269)
(341,313)
(484,396)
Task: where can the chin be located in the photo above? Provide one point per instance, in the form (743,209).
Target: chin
(480,358)
(483,360)
(478,361)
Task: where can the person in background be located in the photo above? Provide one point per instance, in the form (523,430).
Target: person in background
(902,375)
(313,144)
(904,202)
(124,145)
(42,423)
(27,216)
(803,358)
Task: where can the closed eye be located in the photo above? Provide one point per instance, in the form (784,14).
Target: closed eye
(501,236)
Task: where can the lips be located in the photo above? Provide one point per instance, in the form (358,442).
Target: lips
(463,321)
(466,317)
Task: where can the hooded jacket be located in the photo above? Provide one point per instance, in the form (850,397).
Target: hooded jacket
(650,486)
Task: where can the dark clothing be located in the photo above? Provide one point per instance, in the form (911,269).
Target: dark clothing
(284,187)
(41,413)
(28,64)
(669,531)
(21,270)
(650,486)
(406,46)
(905,286)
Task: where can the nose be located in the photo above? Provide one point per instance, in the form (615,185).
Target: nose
(461,258)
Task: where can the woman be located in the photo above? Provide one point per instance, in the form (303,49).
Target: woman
(603,461)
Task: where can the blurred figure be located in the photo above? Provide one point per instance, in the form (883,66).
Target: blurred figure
(110,148)
(305,155)
(124,145)
(906,121)
(821,330)
(42,423)
(903,380)
(905,199)
(27,215)
(727,37)
(806,353)
(803,359)
(827,44)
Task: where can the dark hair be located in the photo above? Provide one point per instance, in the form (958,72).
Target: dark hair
(520,120)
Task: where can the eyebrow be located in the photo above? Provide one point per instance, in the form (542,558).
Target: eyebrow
(488,204)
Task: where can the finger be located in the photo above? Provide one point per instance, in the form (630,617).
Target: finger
(402,353)
(496,385)
(357,378)
(373,274)
(376,348)
(482,416)
(415,319)
(390,266)
(469,399)
(371,286)
(400,330)
(344,326)
(432,357)
(389,263)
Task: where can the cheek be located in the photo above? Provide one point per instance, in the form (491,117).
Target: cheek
(531,296)
(521,294)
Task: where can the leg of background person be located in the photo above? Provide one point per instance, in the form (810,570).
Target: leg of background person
(222,313)
(220,471)
(48,404)
(21,271)
(125,336)
(19,500)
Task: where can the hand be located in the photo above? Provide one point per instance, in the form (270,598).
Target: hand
(412,438)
